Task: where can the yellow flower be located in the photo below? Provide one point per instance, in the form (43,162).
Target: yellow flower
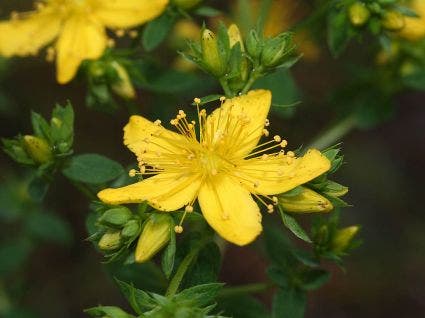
(78,27)
(414,28)
(223,167)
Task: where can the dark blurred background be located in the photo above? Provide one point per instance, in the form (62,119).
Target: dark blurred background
(384,170)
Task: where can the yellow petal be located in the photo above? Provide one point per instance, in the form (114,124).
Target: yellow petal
(147,140)
(279,174)
(230,210)
(27,34)
(81,38)
(128,13)
(165,191)
(241,120)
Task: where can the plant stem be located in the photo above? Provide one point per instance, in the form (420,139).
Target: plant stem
(334,133)
(184,266)
(245,289)
(227,91)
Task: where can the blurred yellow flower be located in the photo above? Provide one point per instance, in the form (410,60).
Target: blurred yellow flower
(414,28)
(223,167)
(78,26)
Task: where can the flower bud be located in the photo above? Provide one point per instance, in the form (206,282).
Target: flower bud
(275,49)
(116,217)
(109,241)
(38,149)
(393,21)
(186,4)
(253,44)
(155,235)
(343,238)
(210,53)
(358,13)
(130,229)
(235,36)
(122,86)
(308,201)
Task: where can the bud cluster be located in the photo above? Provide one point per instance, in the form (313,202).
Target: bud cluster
(49,141)
(120,231)
(237,62)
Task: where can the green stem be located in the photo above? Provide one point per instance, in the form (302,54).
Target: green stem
(255,74)
(334,133)
(184,266)
(245,289)
(264,13)
(227,91)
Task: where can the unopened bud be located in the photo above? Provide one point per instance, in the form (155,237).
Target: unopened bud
(359,14)
(111,240)
(116,217)
(210,53)
(122,86)
(186,4)
(275,50)
(308,201)
(253,45)
(343,237)
(393,21)
(155,235)
(38,149)
(235,36)
(131,229)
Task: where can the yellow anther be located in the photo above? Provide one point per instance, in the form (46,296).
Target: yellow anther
(274,199)
(222,98)
(281,152)
(133,34)
(197,100)
(111,43)
(14,15)
(214,172)
(174,122)
(188,209)
(120,33)
(290,154)
(178,229)
(182,113)
(270,208)
(266,132)
(132,173)
(284,143)
(277,138)
(157,122)
(203,112)
(267,123)
(264,156)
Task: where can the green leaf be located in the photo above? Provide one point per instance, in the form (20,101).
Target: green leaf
(244,307)
(40,126)
(338,31)
(92,168)
(48,227)
(169,254)
(278,247)
(293,226)
(201,295)
(108,311)
(156,31)
(14,148)
(314,279)
(279,276)
(37,188)
(207,11)
(289,303)
(139,300)
(13,254)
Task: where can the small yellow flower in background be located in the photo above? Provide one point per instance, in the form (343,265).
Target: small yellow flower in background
(414,28)
(78,27)
(220,164)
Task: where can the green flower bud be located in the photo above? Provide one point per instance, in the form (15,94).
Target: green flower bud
(97,69)
(210,53)
(235,36)
(122,86)
(116,217)
(254,45)
(308,201)
(343,238)
(38,149)
(130,229)
(186,4)
(393,21)
(155,235)
(358,13)
(109,241)
(275,50)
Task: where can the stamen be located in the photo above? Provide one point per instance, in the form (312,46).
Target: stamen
(178,229)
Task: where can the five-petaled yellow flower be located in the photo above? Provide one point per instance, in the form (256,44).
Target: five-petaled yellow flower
(223,167)
(78,26)
(415,26)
